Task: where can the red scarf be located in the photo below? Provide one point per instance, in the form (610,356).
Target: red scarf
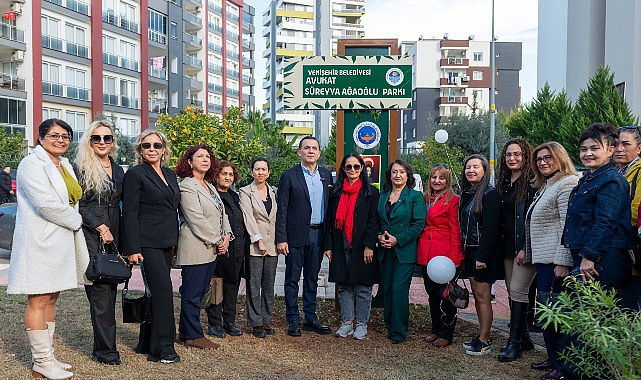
(345,211)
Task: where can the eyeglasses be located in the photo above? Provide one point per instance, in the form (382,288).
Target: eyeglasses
(515,154)
(547,159)
(349,167)
(443,165)
(108,139)
(156,146)
(57,136)
(628,127)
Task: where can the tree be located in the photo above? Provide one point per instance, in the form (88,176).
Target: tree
(542,120)
(12,148)
(228,138)
(329,152)
(431,153)
(472,133)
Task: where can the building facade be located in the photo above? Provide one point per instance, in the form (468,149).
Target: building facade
(576,37)
(124,60)
(302,28)
(452,77)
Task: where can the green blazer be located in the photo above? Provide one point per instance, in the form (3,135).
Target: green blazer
(406,223)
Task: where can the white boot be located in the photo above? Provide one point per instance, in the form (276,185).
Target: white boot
(51,326)
(44,365)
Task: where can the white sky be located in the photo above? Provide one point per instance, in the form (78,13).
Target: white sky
(406,20)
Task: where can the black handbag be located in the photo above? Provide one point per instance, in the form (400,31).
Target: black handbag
(136,310)
(107,266)
(458,295)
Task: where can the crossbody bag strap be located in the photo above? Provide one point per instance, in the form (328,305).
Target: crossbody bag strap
(144,279)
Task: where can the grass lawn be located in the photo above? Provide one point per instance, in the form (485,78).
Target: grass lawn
(275,357)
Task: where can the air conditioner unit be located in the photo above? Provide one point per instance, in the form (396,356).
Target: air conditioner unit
(17,8)
(197,9)
(18,56)
(465,78)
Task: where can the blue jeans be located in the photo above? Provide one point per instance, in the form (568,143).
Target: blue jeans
(355,296)
(195,279)
(306,259)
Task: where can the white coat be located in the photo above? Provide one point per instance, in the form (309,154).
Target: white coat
(47,255)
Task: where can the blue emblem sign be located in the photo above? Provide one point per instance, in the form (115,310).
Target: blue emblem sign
(367,135)
(394,76)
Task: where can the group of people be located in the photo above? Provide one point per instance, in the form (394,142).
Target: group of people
(540,221)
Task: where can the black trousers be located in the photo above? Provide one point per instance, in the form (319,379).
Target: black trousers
(102,305)
(157,338)
(226,310)
(442,312)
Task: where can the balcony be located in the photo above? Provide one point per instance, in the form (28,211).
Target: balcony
(193,22)
(212,107)
(114,60)
(71,92)
(11,82)
(215,27)
(232,35)
(232,73)
(109,16)
(128,102)
(213,47)
(232,92)
(12,33)
(194,102)
(110,99)
(74,5)
(232,54)
(50,42)
(215,87)
(461,81)
(193,61)
(193,41)
(158,105)
(157,37)
(445,100)
(215,68)
(454,62)
(156,73)
(76,49)
(215,8)
(231,16)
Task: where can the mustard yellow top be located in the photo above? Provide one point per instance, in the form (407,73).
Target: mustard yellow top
(73,188)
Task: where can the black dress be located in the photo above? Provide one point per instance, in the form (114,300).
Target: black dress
(230,267)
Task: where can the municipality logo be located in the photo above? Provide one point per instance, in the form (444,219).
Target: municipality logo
(367,135)
(394,76)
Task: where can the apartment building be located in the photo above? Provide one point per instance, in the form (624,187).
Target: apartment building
(576,37)
(128,60)
(301,28)
(451,77)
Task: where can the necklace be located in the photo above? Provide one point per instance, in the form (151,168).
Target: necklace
(106,167)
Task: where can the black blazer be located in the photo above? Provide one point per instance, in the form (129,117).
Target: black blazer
(105,210)
(149,209)
(365,234)
(294,207)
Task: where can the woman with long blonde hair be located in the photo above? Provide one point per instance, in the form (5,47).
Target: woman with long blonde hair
(101,181)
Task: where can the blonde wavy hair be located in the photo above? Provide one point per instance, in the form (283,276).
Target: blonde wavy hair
(166,156)
(560,157)
(92,175)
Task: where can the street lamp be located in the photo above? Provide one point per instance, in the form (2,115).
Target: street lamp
(492,100)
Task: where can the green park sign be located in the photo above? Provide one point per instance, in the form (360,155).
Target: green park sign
(347,82)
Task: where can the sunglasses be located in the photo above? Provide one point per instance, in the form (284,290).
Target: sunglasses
(108,139)
(156,146)
(349,167)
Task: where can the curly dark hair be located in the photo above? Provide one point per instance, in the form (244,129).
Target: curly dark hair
(224,164)
(526,168)
(411,181)
(183,168)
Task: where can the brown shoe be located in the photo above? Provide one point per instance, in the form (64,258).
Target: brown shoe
(269,330)
(440,343)
(181,338)
(431,338)
(202,343)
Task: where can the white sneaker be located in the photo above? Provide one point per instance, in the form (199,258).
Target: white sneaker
(360,332)
(347,328)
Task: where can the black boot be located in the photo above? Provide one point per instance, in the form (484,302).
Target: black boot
(517,323)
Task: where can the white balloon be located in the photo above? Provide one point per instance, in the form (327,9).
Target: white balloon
(441,269)
(441,136)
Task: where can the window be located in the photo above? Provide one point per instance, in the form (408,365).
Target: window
(51,79)
(413,114)
(478,94)
(50,113)
(477,75)
(75,37)
(174,99)
(157,22)
(174,65)
(173,30)
(128,127)
(77,122)
(414,132)
(13,112)
(110,95)
(76,80)
(128,94)
(478,56)
(128,56)
(50,33)
(128,17)
(109,50)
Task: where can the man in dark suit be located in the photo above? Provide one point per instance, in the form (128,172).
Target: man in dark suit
(302,203)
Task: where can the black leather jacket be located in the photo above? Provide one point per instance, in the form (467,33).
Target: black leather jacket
(513,212)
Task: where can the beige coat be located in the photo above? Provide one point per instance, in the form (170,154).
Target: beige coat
(203,223)
(258,223)
(544,228)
